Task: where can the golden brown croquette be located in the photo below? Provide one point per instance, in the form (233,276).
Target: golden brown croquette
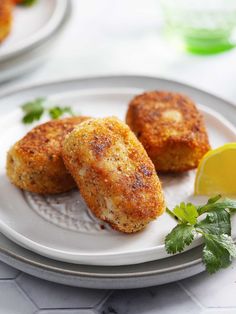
(35,163)
(114,174)
(5,18)
(170,128)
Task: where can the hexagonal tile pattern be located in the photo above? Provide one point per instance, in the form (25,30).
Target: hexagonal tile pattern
(7,272)
(166,299)
(217,290)
(13,300)
(197,295)
(50,295)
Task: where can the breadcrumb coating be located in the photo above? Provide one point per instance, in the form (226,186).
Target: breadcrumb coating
(114,174)
(5,18)
(35,163)
(170,128)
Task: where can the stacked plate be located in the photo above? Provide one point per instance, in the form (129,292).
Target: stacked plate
(33,33)
(57,237)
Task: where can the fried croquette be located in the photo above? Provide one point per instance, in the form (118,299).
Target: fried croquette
(5,18)
(170,128)
(35,163)
(114,174)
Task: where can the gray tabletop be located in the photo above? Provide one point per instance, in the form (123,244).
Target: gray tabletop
(23,294)
(124,37)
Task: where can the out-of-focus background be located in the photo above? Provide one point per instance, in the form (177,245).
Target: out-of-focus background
(109,37)
(127,37)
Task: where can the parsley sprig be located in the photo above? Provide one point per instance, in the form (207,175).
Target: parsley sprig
(219,248)
(27,2)
(34,110)
(56,112)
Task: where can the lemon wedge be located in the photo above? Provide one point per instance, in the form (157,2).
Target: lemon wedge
(216,172)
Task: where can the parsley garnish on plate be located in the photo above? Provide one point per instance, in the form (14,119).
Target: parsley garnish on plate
(34,110)
(215,227)
(56,112)
(28,2)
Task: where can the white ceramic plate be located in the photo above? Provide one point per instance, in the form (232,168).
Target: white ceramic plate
(61,227)
(32,26)
(103,277)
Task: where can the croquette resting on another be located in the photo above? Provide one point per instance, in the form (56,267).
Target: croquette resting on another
(170,128)
(35,163)
(114,174)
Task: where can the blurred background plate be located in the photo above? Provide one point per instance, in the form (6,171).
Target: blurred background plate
(25,62)
(28,46)
(32,26)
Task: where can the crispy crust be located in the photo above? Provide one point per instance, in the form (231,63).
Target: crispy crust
(5,18)
(114,174)
(170,128)
(35,164)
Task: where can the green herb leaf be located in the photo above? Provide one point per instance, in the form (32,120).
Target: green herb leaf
(225,203)
(181,236)
(27,2)
(186,213)
(33,110)
(219,248)
(231,204)
(214,199)
(218,251)
(56,112)
(216,222)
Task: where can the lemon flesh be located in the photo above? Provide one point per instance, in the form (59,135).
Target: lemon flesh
(216,172)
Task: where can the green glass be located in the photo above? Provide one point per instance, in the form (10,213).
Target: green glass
(201,26)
